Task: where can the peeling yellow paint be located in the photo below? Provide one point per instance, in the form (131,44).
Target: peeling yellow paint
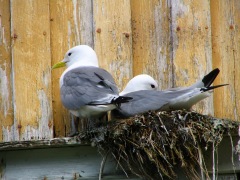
(31,58)
(6,106)
(151,41)
(170,40)
(71,25)
(191,42)
(226,55)
(113,47)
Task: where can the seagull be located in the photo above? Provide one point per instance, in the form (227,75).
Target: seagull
(86,90)
(165,100)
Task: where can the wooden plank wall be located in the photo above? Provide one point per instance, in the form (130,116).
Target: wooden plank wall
(71,24)
(226,55)
(191,45)
(177,42)
(6,100)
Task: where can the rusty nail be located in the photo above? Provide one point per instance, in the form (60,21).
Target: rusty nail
(44,33)
(178,28)
(98,30)
(19,126)
(15,36)
(49,124)
(126,35)
(231,27)
(206,27)
(51,19)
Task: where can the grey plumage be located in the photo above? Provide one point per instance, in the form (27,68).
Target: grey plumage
(146,100)
(85,86)
(171,99)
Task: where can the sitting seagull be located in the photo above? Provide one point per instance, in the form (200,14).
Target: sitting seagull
(170,99)
(87,91)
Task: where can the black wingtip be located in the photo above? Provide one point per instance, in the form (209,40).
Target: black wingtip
(210,77)
(121,99)
(204,89)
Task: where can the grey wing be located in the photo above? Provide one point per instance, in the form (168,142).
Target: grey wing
(142,101)
(106,79)
(147,100)
(176,89)
(86,85)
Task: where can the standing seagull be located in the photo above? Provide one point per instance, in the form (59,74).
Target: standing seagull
(170,99)
(87,91)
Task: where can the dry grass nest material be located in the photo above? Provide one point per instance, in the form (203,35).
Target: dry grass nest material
(155,144)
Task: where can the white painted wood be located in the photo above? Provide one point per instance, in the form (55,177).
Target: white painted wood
(79,162)
(68,158)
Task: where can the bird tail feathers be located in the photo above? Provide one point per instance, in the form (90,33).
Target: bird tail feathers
(210,77)
(204,89)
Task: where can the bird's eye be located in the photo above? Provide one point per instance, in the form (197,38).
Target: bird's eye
(69,54)
(152,86)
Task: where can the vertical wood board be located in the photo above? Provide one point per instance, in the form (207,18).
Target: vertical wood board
(6,106)
(226,55)
(151,40)
(113,38)
(31,59)
(71,25)
(191,40)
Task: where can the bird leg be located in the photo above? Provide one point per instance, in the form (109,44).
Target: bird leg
(74,126)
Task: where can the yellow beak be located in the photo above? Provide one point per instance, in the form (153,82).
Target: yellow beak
(58,65)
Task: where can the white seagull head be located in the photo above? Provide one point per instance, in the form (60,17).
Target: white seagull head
(140,82)
(81,55)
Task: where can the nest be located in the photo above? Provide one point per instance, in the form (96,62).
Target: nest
(156,144)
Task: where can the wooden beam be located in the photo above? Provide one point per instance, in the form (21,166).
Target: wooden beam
(71,25)
(191,41)
(151,40)
(225,17)
(31,57)
(113,38)
(6,106)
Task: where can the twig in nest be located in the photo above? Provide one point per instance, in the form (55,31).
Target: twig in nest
(102,165)
(162,142)
(120,165)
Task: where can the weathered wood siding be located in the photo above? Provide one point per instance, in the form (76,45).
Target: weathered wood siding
(226,55)
(6,100)
(151,40)
(71,24)
(191,45)
(177,42)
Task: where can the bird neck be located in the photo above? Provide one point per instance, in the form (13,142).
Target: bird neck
(82,63)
